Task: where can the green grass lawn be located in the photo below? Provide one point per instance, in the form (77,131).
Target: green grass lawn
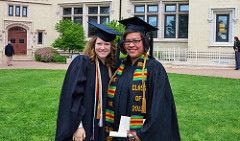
(208,107)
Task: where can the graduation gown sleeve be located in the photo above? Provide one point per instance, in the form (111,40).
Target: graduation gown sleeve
(161,120)
(71,110)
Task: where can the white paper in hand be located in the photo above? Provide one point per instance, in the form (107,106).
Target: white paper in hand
(123,127)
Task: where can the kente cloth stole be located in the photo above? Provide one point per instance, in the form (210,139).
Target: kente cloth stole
(137,95)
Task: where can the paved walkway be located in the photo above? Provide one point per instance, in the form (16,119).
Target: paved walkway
(33,65)
(203,71)
(206,71)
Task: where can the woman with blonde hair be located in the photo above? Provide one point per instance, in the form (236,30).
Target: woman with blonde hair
(82,104)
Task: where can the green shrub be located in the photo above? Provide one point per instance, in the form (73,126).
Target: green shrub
(37,57)
(59,59)
(48,54)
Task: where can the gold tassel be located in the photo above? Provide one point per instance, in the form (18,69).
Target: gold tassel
(98,91)
(144,86)
(98,110)
(144,101)
(109,138)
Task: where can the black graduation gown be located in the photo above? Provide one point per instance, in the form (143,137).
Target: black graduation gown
(77,98)
(161,119)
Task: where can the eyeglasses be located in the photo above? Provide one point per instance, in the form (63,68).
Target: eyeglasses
(134,41)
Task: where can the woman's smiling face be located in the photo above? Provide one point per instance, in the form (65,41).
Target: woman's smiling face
(102,48)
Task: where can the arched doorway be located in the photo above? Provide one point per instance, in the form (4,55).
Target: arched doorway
(18,36)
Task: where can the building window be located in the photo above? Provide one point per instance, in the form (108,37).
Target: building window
(222,27)
(78,10)
(104,10)
(77,17)
(40,37)
(170,26)
(99,14)
(176,21)
(152,8)
(183,8)
(21,41)
(150,15)
(92,10)
(183,26)
(170,8)
(10,10)
(90,27)
(67,11)
(139,9)
(73,13)
(104,15)
(24,11)
(17,11)
(104,19)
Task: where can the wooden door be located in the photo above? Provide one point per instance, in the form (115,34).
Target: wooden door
(18,37)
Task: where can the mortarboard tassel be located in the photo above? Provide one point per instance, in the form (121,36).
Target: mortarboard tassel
(98,97)
(144,86)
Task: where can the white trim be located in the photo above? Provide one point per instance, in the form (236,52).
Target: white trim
(171,40)
(212,21)
(234,10)
(221,45)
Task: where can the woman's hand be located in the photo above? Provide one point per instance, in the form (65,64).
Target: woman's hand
(132,136)
(79,135)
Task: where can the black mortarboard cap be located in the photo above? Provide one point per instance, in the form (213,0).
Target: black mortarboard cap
(105,33)
(137,24)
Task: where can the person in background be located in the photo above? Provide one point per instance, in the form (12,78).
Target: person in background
(82,102)
(236,48)
(9,52)
(140,89)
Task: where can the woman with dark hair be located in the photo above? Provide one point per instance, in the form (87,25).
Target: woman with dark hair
(140,90)
(82,104)
(236,48)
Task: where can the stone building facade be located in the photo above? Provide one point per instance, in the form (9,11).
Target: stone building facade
(200,25)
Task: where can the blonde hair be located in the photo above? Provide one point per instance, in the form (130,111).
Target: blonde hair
(90,52)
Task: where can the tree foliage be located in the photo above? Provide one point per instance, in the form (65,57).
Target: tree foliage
(120,28)
(71,38)
(117,26)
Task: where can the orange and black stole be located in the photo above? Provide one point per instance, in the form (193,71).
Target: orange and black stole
(137,92)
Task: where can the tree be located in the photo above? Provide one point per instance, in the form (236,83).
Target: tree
(117,26)
(120,28)
(71,38)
